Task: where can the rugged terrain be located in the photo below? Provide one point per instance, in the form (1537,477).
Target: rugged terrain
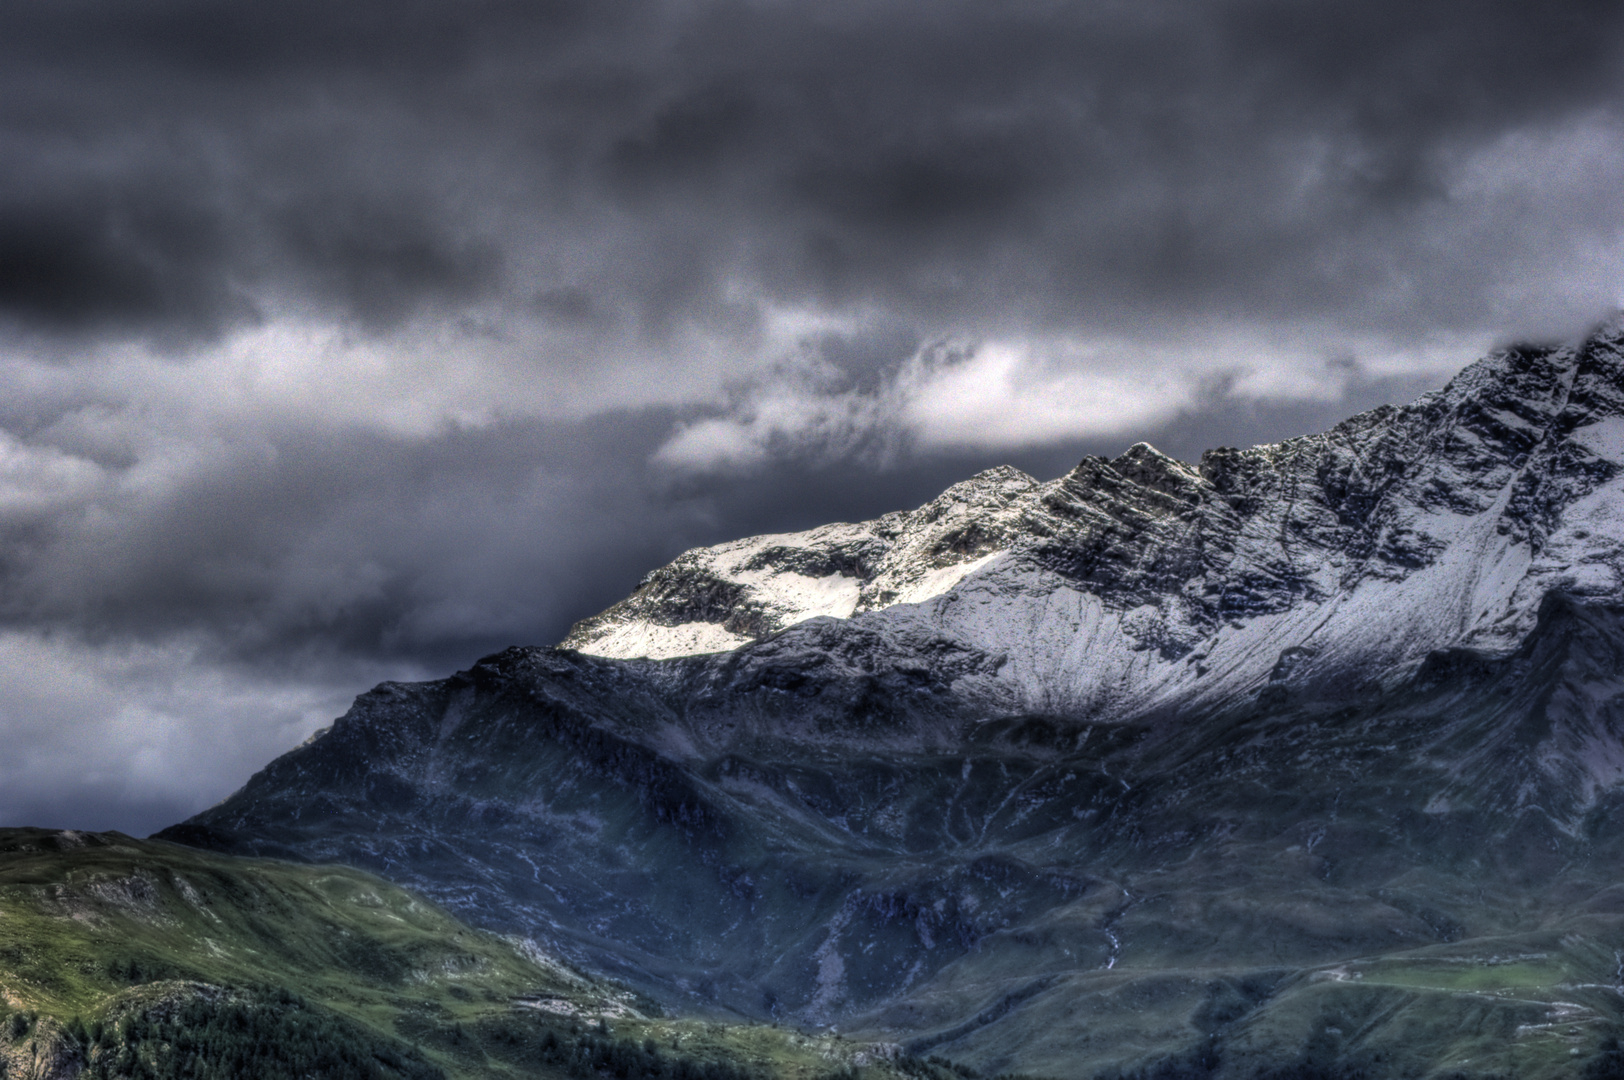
(1304,759)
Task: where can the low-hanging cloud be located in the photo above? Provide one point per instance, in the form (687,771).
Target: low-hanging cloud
(1002,396)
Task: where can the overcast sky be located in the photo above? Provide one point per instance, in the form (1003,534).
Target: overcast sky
(352,341)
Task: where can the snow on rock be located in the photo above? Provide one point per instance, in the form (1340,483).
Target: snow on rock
(747,589)
(1142,581)
(1604,438)
(665,642)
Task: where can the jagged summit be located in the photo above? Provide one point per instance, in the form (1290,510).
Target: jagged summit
(1144,580)
(718,598)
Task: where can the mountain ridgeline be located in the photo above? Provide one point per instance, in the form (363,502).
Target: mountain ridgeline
(1302,761)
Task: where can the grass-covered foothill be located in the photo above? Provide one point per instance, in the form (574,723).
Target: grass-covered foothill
(126,958)
(142,960)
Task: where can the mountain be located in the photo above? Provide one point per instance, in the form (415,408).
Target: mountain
(1301,761)
(1142,581)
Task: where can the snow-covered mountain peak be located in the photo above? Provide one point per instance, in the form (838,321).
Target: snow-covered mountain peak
(1142,580)
(1149,467)
(989,490)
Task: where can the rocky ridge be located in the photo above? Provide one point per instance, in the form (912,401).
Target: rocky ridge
(1142,580)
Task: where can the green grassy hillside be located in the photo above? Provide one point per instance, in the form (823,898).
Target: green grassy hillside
(128,958)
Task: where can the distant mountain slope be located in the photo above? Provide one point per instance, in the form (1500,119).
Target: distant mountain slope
(1303,762)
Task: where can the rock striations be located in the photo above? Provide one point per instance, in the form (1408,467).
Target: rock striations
(1308,757)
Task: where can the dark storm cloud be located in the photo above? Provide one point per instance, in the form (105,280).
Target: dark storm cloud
(172,163)
(90,255)
(304,543)
(84,261)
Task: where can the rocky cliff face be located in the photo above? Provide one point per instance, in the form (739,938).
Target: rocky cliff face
(1306,757)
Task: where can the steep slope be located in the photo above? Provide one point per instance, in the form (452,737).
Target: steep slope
(1308,758)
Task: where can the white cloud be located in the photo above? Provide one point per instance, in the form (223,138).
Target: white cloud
(1002,394)
(37,481)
